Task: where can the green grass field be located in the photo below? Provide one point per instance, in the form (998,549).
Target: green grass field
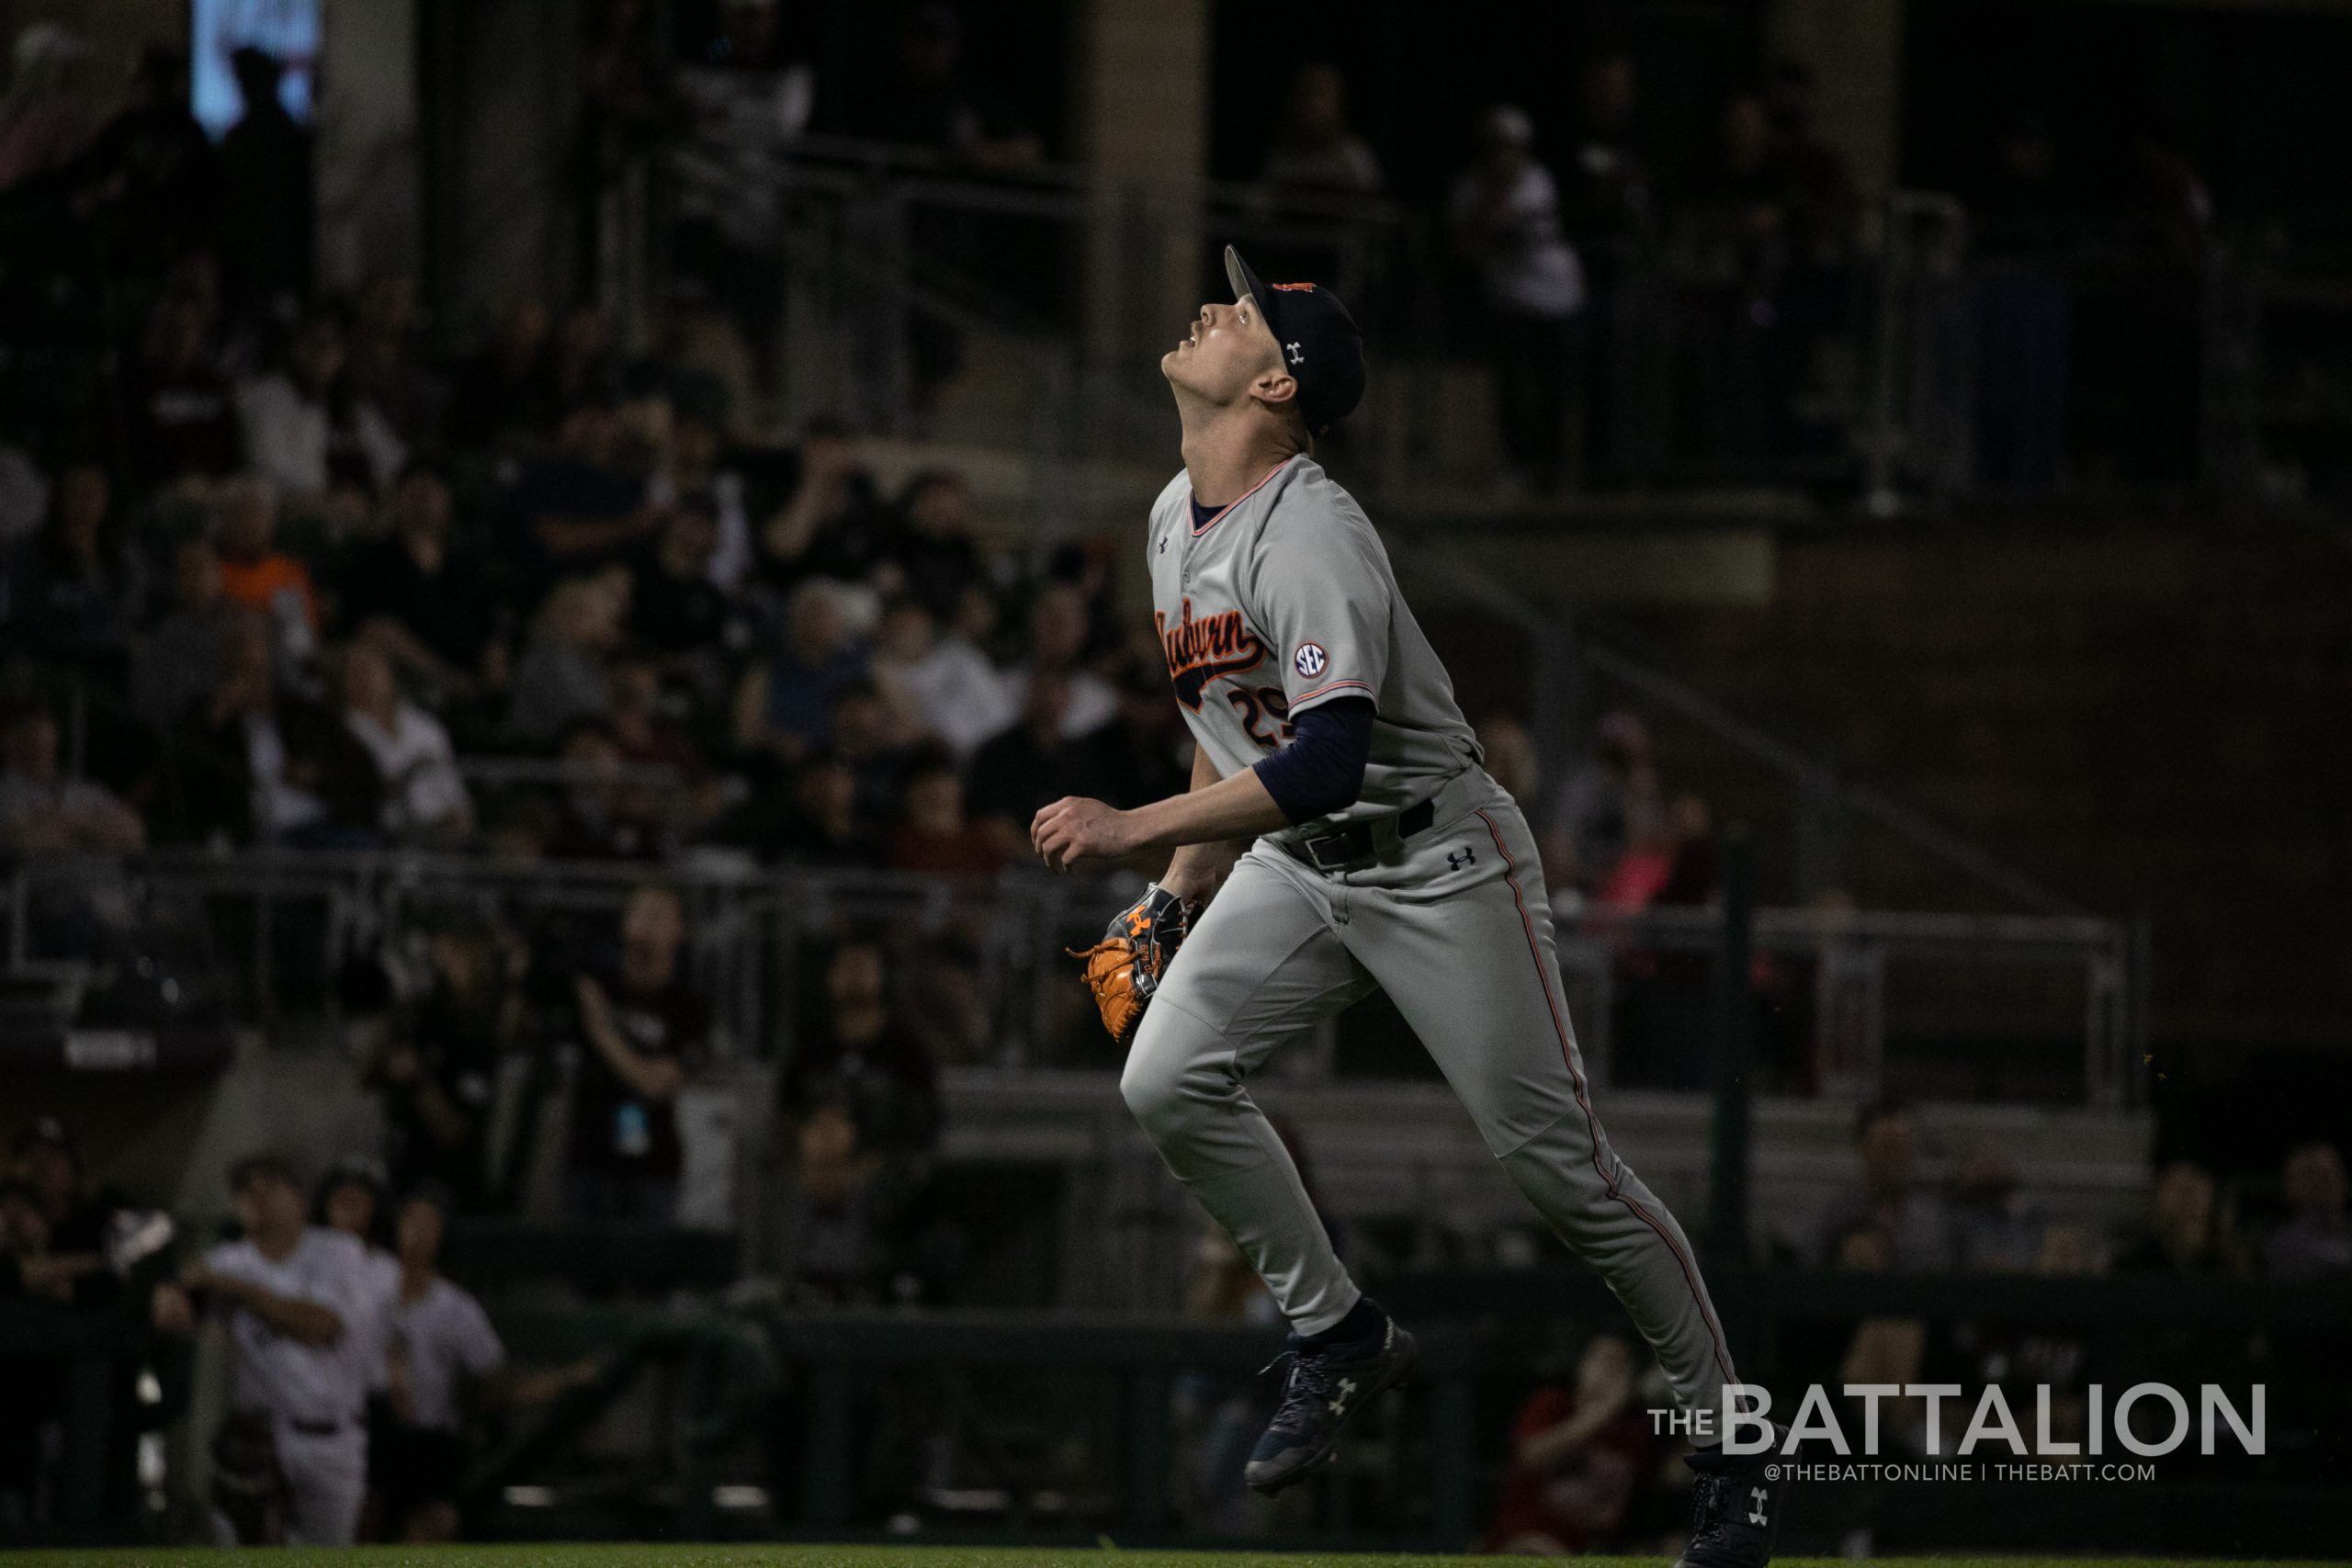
(656,1556)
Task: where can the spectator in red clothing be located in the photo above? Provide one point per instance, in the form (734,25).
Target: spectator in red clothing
(1578,1455)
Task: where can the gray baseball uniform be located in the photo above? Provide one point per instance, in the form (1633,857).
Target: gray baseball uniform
(1279,601)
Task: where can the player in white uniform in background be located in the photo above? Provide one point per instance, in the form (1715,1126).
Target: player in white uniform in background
(1340,837)
(301,1314)
(440,1339)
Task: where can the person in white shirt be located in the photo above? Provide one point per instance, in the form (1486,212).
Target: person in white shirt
(1505,214)
(302,1324)
(304,431)
(425,795)
(939,686)
(442,1342)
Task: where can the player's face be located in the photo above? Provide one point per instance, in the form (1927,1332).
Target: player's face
(1224,352)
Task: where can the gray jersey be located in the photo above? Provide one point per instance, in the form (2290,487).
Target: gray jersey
(1284,601)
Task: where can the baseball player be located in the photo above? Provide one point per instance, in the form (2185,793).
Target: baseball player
(300,1304)
(1383,857)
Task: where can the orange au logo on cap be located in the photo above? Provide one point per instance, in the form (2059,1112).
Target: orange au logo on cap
(1296,286)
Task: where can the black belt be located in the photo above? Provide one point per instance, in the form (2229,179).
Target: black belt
(316,1428)
(1347,846)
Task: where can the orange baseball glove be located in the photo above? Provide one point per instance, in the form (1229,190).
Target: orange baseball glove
(1125,966)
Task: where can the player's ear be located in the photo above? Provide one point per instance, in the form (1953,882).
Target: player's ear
(1275,386)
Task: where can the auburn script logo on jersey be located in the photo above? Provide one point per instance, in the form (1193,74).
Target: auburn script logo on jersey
(1200,650)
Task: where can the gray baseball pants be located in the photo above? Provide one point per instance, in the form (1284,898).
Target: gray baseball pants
(1454,924)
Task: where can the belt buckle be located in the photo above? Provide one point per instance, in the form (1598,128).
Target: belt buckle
(1339,848)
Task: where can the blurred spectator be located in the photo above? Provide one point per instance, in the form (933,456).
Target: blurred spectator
(1995,1229)
(2164,194)
(1578,1454)
(695,474)
(638,714)
(606,815)
(818,825)
(24,495)
(78,591)
(928,101)
(562,680)
(427,607)
(675,608)
(941,685)
(1882,1352)
(783,703)
(179,658)
(858,1113)
(1606,804)
(280,767)
(307,430)
(933,548)
(1910,1226)
(1822,200)
(1609,211)
(1505,214)
(46,119)
(865,740)
(1606,192)
(1147,752)
(2186,1234)
(41,809)
(425,796)
(74,1215)
(578,508)
(1510,756)
(1032,765)
(933,835)
(861,1055)
(505,391)
(831,524)
(2022,205)
(2316,1241)
(385,372)
(258,575)
(179,416)
(1736,234)
(1059,629)
(147,182)
(265,217)
(644,1029)
(437,1065)
(1315,149)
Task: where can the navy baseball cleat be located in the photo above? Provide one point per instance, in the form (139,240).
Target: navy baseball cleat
(1735,1506)
(1328,1384)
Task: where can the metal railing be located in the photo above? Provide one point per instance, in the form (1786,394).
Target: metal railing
(262,937)
(1913,358)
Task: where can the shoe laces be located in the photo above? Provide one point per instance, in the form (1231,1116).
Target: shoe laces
(1708,1494)
(1306,1386)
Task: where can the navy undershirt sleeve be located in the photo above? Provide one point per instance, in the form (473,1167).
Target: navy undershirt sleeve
(1321,771)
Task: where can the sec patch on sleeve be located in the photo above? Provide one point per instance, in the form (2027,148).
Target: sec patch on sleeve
(1309,660)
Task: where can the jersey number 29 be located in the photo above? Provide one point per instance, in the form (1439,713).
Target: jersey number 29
(1267,706)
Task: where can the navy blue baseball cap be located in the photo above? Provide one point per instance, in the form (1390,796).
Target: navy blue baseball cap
(1321,344)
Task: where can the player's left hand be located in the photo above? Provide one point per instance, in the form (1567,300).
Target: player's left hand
(1074,828)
